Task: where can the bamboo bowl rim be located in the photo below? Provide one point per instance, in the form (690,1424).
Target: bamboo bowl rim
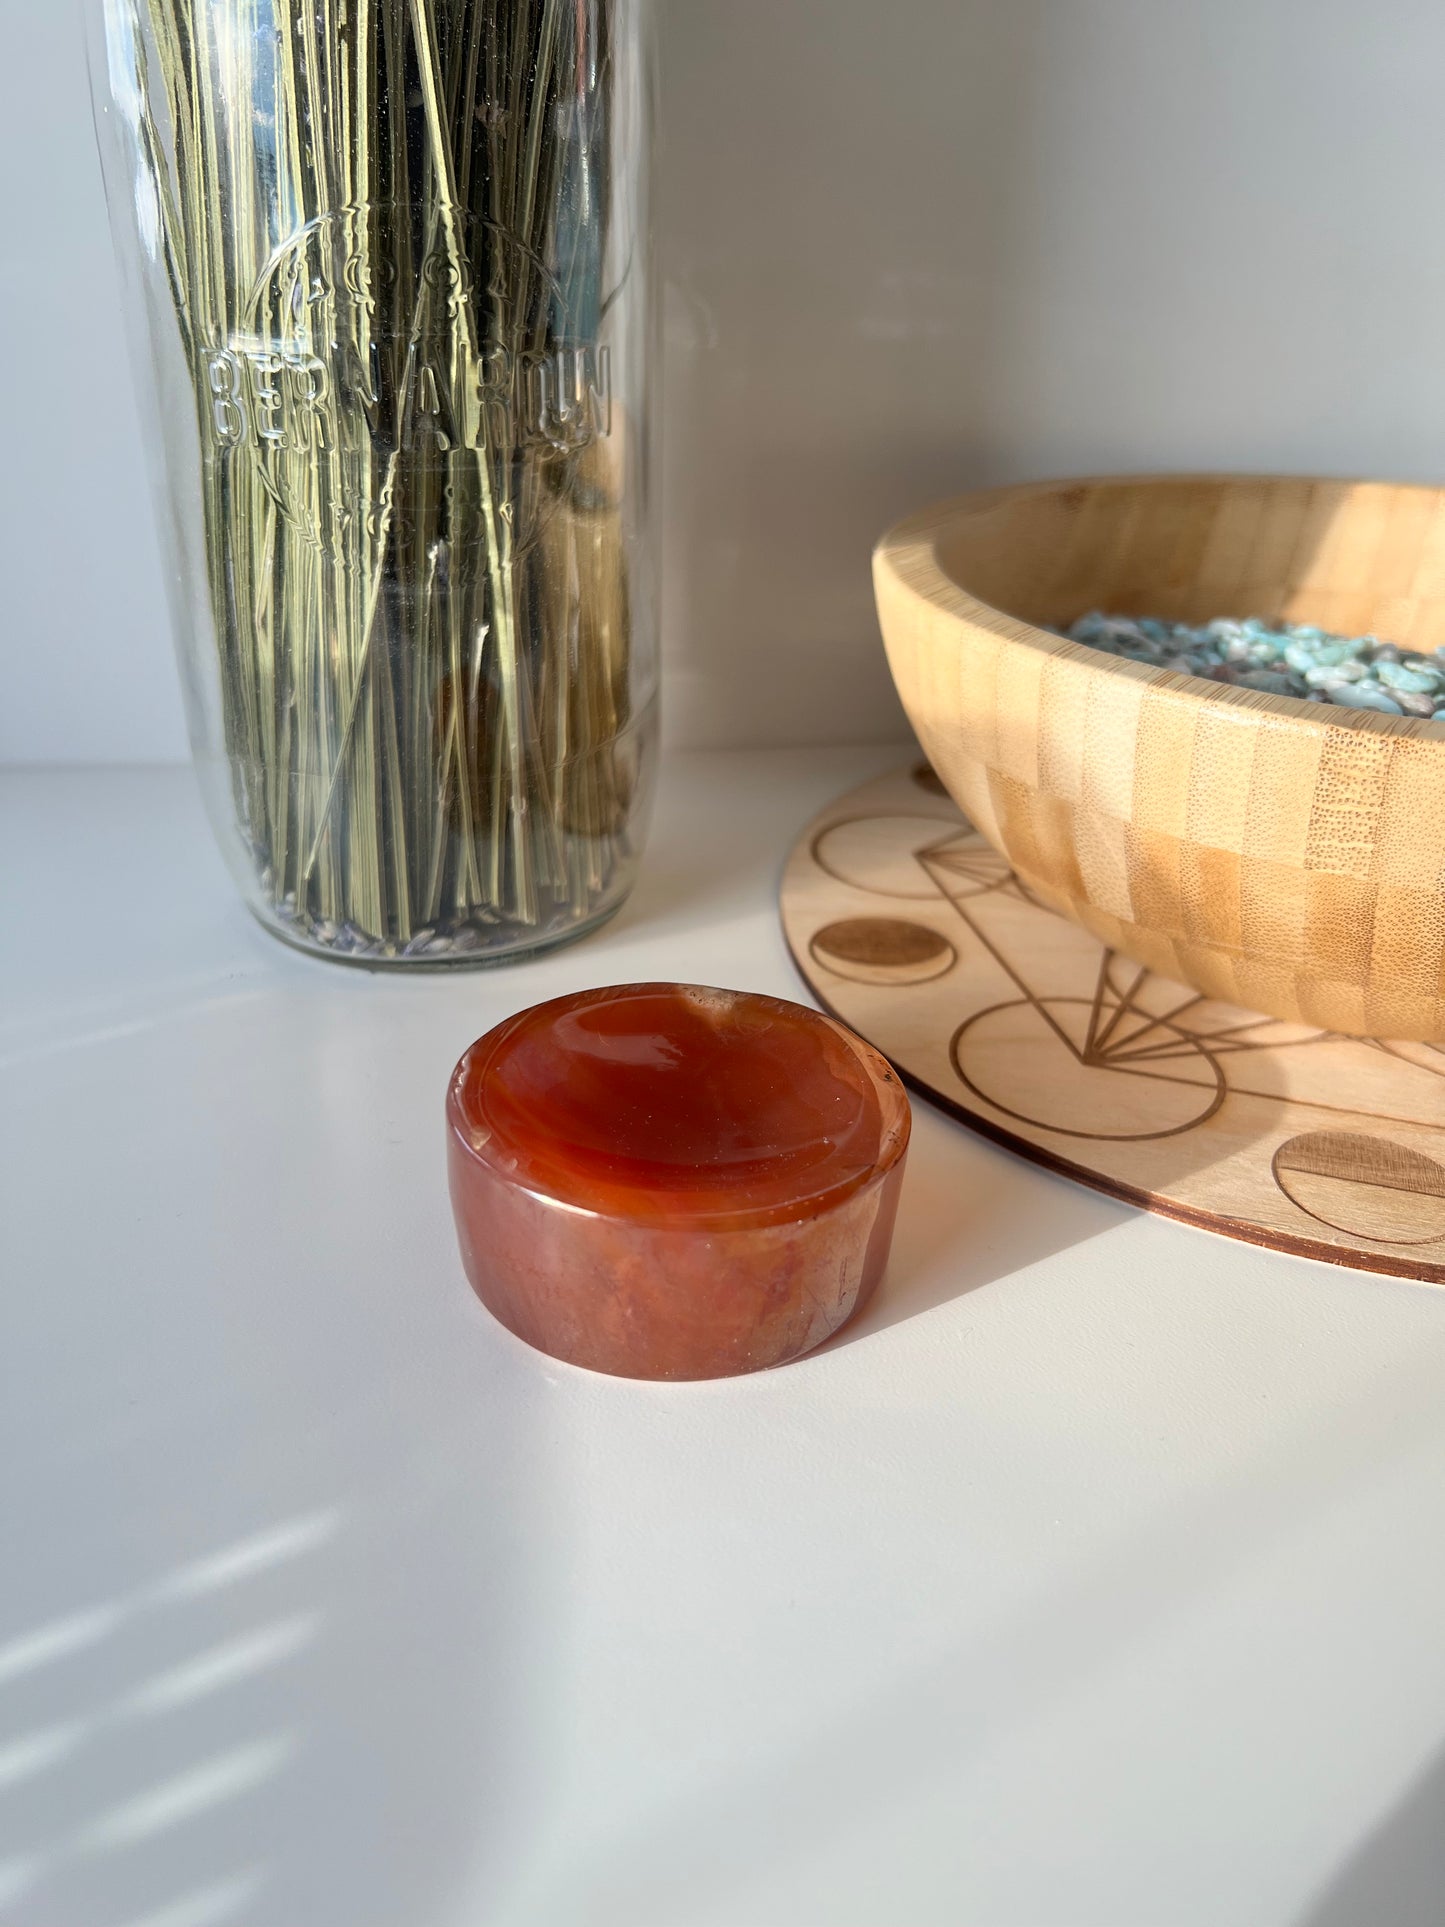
(911,555)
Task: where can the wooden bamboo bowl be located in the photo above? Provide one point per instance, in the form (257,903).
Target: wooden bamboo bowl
(1281,855)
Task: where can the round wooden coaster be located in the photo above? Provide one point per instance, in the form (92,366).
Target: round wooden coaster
(909,928)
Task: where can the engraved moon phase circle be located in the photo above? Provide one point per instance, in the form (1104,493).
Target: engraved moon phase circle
(1043,1045)
(883,951)
(1369,1187)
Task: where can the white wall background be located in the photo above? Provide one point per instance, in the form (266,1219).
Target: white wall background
(911,245)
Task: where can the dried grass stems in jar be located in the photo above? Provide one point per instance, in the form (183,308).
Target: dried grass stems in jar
(384,224)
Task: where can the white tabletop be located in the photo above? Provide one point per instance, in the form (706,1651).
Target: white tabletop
(1097,1576)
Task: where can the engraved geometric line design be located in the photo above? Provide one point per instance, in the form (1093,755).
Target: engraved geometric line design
(1109,1041)
(986,1051)
(1095,1049)
(860,851)
(1084,1045)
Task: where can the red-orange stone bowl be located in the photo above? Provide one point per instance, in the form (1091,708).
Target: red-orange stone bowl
(666,1182)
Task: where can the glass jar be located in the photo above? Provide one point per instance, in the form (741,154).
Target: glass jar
(388,267)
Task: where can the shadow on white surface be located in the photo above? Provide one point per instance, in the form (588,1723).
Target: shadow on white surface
(1396,1878)
(718,826)
(251,1672)
(928,1733)
(1017,1216)
(323,1604)
(675,895)
(305,1724)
